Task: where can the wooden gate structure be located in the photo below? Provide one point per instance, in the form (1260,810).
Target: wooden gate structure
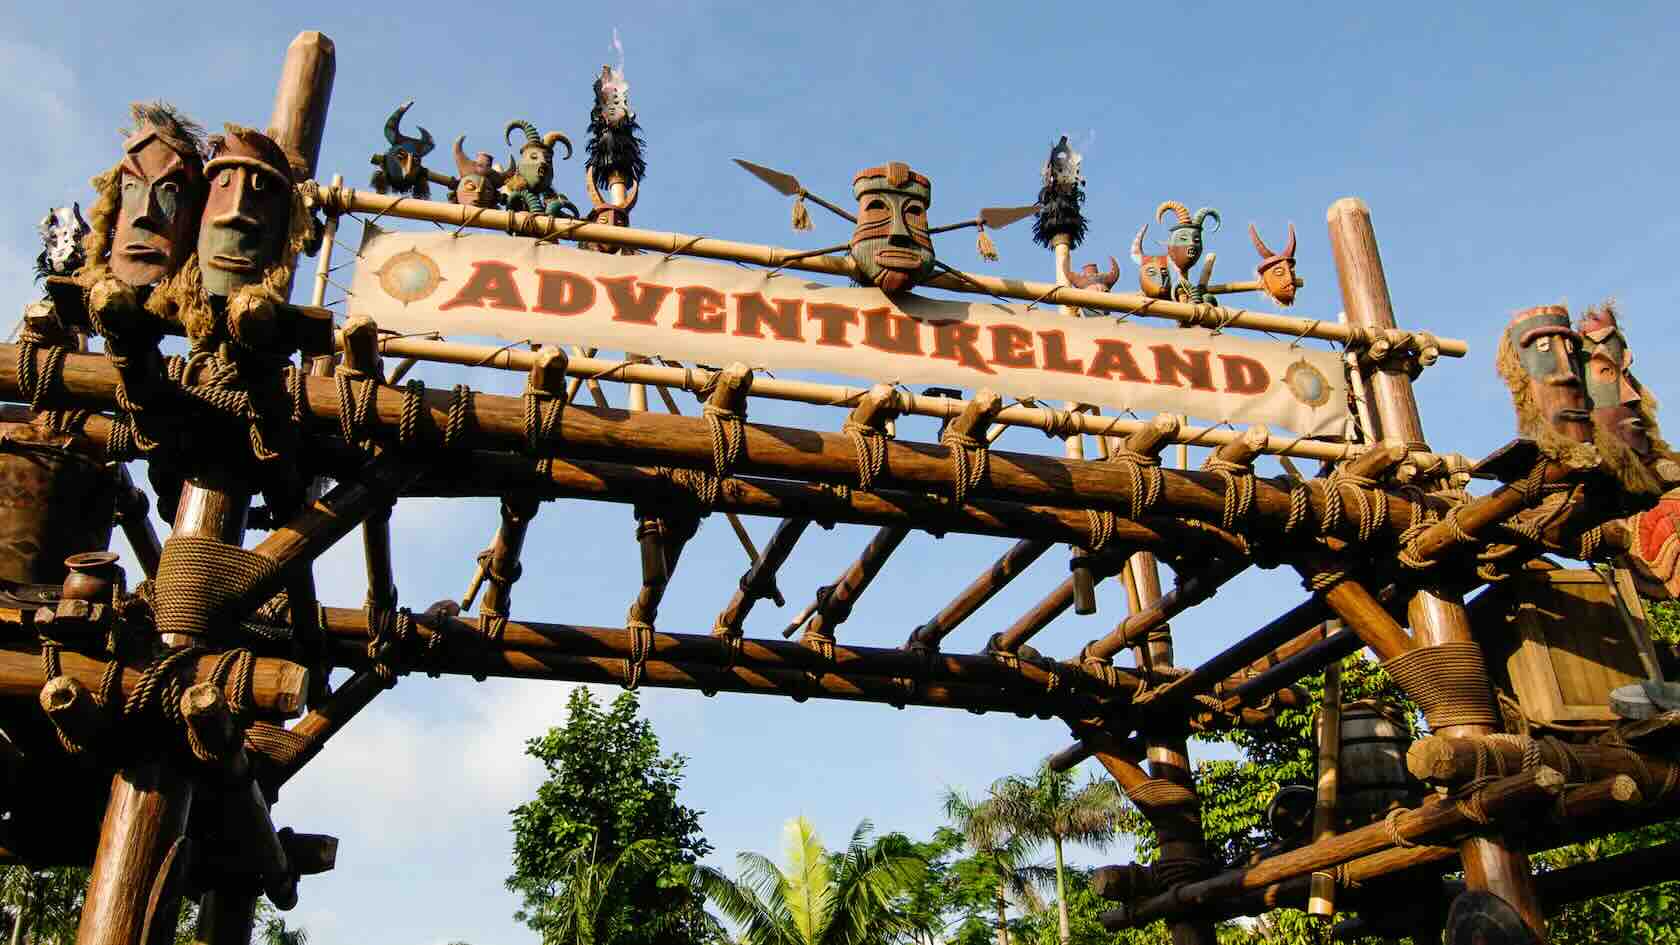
(146,727)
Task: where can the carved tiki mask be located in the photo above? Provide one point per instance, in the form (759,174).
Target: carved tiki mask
(1611,391)
(1541,361)
(535,160)
(1276,270)
(477,178)
(1184,242)
(1154,272)
(162,190)
(247,221)
(891,244)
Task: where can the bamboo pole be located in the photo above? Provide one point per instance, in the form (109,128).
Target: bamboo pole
(343,200)
(1321,900)
(1053,605)
(759,581)
(594,369)
(324,721)
(978,592)
(1191,590)
(278,687)
(834,602)
(1489,863)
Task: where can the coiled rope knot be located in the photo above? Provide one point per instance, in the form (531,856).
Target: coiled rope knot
(641,646)
(870,444)
(970,462)
(388,629)
(729,436)
(1239,490)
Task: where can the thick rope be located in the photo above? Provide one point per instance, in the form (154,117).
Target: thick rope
(1449,682)
(387,630)
(460,416)
(729,436)
(870,445)
(641,646)
(355,408)
(198,580)
(1239,490)
(970,461)
(542,419)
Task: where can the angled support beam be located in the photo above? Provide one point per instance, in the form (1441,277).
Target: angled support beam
(759,581)
(834,602)
(978,592)
(1039,616)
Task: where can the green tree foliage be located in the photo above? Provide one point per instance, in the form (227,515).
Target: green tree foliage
(608,788)
(1049,808)
(43,905)
(1000,864)
(850,897)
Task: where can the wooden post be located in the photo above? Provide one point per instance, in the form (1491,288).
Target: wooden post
(1489,862)
(1321,900)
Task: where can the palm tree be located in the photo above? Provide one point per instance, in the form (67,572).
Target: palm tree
(1002,850)
(1047,808)
(820,898)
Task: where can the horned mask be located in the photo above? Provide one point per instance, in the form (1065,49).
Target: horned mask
(891,245)
(1154,272)
(1276,270)
(161,188)
(1184,241)
(477,178)
(1612,393)
(1089,277)
(535,160)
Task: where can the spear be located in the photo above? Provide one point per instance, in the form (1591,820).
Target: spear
(788,186)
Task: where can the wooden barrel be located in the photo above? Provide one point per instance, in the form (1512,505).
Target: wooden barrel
(54,502)
(1373,762)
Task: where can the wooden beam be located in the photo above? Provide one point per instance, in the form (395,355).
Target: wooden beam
(278,687)
(834,601)
(324,721)
(498,421)
(978,592)
(759,581)
(1191,590)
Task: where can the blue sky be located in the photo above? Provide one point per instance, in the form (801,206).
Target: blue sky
(1512,155)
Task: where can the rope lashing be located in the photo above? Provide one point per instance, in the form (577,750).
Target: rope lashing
(870,444)
(729,436)
(1372,503)
(355,407)
(388,629)
(460,416)
(542,418)
(1239,490)
(1391,827)
(970,462)
(32,384)
(641,646)
(1144,485)
(1449,682)
(413,405)
(199,578)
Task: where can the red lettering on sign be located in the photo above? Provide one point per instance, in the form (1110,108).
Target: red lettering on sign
(1115,357)
(633,303)
(700,309)
(1244,375)
(1012,346)
(563,293)
(1055,354)
(491,284)
(885,331)
(834,319)
(954,341)
(1170,366)
(752,313)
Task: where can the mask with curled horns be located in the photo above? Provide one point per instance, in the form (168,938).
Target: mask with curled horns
(1540,359)
(248,216)
(891,245)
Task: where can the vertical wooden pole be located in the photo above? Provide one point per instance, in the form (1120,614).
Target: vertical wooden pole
(1169,757)
(1321,896)
(1489,863)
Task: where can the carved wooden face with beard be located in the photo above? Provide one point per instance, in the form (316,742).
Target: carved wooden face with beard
(1548,356)
(247,217)
(1611,392)
(161,187)
(891,244)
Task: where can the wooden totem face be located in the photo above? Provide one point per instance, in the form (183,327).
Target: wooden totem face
(1549,353)
(1155,277)
(1184,245)
(891,244)
(162,197)
(536,164)
(475,190)
(247,216)
(1614,400)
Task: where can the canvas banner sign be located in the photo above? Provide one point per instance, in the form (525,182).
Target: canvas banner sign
(689,310)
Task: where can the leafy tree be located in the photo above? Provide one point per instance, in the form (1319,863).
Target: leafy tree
(43,904)
(1000,857)
(609,788)
(847,898)
(582,917)
(1048,808)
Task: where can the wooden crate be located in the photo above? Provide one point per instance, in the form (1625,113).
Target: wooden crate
(1559,642)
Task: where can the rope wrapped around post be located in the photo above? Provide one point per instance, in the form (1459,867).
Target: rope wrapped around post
(1449,682)
(866,427)
(965,437)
